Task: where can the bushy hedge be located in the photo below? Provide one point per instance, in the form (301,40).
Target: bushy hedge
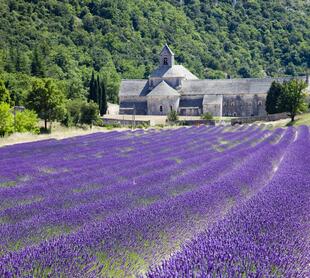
(25,121)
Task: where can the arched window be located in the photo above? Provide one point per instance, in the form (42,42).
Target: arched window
(260,103)
(165,61)
(234,114)
(171,108)
(160,108)
(232,103)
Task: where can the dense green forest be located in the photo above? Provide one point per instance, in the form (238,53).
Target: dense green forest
(66,40)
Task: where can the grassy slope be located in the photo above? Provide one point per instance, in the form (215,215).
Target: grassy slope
(303,119)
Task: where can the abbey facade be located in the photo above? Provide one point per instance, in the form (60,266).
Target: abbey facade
(173,87)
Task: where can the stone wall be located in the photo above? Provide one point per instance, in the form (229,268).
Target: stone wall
(125,122)
(214,109)
(162,105)
(244,106)
(267,118)
(127,104)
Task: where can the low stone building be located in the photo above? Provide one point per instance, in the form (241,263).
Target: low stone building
(173,87)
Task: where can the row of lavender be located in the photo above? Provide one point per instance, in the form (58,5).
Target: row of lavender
(267,236)
(127,199)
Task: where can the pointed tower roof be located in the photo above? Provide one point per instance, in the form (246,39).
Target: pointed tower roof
(167,48)
(163,89)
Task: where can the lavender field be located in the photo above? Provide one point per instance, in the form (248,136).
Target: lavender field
(188,202)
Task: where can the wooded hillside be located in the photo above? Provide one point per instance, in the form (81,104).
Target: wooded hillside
(66,40)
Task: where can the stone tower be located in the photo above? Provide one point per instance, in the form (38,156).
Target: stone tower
(166,57)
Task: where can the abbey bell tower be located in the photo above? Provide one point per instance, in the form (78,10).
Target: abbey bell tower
(166,57)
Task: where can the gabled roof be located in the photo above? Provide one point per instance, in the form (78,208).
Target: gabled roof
(166,48)
(134,88)
(244,86)
(163,89)
(174,71)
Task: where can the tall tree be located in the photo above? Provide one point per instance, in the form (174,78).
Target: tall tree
(273,98)
(98,90)
(37,68)
(47,100)
(293,98)
(103,102)
(92,94)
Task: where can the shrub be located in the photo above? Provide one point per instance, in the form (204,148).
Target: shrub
(27,121)
(207,116)
(173,116)
(7,119)
(89,113)
(73,115)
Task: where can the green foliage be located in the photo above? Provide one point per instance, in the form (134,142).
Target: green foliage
(37,68)
(121,39)
(173,116)
(47,100)
(92,88)
(7,120)
(98,93)
(4,93)
(215,74)
(207,116)
(103,103)
(19,84)
(303,119)
(89,113)
(26,121)
(73,115)
(273,98)
(293,98)
(81,112)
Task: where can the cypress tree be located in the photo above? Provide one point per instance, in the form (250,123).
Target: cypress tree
(104,103)
(92,91)
(98,91)
(272,99)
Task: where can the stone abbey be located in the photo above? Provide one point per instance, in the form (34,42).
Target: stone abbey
(173,87)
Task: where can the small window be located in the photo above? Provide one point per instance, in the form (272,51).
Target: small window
(234,114)
(165,61)
(232,103)
(160,108)
(171,108)
(260,103)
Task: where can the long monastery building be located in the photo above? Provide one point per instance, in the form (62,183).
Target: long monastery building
(173,87)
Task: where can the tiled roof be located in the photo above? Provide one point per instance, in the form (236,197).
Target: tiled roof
(229,86)
(163,89)
(174,71)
